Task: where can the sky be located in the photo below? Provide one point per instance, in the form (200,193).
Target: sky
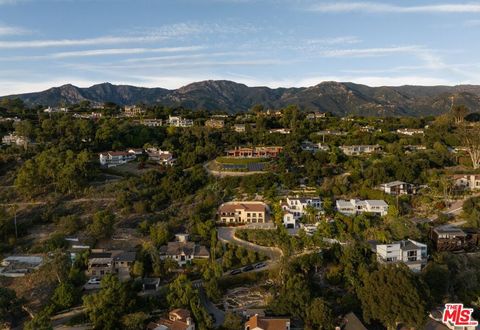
(275,43)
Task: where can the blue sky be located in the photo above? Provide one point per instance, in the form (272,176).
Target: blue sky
(170,43)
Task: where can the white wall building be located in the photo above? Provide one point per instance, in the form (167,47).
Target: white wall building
(467,181)
(296,207)
(115,158)
(356,150)
(314,147)
(411,253)
(356,206)
(177,121)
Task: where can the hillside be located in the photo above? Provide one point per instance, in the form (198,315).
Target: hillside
(338,98)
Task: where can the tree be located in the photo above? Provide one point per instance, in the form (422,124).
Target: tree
(470,139)
(393,295)
(159,233)
(232,322)
(65,296)
(10,306)
(180,292)
(459,112)
(134,321)
(102,225)
(319,315)
(105,308)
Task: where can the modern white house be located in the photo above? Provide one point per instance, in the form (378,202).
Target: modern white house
(410,252)
(356,206)
(356,150)
(398,188)
(314,147)
(296,207)
(13,139)
(410,131)
(177,121)
(467,181)
(115,158)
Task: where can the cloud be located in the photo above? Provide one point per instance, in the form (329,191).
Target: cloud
(6,30)
(370,52)
(122,51)
(376,7)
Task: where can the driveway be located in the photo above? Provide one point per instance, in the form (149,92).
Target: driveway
(227,235)
(211,308)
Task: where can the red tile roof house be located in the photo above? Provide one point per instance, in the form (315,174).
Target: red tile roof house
(255,152)
(178,319)
(262,323)
(243,212)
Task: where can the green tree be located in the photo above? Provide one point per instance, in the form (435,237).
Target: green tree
(105,308)
(392,295)
(134,321)
(102,225)
(159,233)
(180,292)
(319,315)
(10,306)
(232,322)
(65,296)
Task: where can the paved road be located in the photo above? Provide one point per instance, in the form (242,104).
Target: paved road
(212,309)
(227,235)
(455,209)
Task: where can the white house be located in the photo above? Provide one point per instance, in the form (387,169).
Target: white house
(356,150)
(411,253)
(467,181)
(296,207)
(313,147)
(13,139)
(177,121)
(356,206)
(410,131)
(160,156)
(115,158)
(398,188)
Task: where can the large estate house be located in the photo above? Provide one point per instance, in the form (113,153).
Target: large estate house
(255,152)
(183,251)
(467,181)
(356,206)
(177,121)
(115,158)
(243,212)
(398,188)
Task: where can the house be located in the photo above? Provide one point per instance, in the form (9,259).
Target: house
(331,132)
(255,152)
(257,322)
(351,322)
(161,157)
(115,158)
(398,188)
(177,121)
(20,265)
(13,139)
(55,110)
(243,212)
(215,123)
(183,251)
(414,148)
(296,207)
(101,263)
(451,238)
(411,253)
(411,131)
(239,128)
(314,147)
(133,111)
(356,150)
(355,206)
(136,151)
(467,181)
(316,115)
(178,319)
(280,131)
(151,122)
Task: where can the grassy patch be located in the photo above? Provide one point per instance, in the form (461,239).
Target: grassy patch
(231,160)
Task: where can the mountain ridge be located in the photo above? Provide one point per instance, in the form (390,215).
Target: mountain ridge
(339,98)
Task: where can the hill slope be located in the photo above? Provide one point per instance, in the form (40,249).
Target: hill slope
(338,98)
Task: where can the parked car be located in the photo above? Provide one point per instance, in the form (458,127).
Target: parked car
(235,272)
(260,265)
(94,280)
(248,268)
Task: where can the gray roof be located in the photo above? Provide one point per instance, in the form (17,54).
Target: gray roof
(352,322)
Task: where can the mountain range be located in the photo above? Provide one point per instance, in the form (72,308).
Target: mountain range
(336,97)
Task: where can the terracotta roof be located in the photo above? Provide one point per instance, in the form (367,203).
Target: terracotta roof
(180,313)
(247,206)
(267,323)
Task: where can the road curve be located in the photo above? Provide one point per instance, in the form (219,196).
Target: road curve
(227,235)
